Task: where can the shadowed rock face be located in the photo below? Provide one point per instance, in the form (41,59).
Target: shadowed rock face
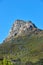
(20,28)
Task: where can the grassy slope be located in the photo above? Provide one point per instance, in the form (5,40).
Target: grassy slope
(26,48)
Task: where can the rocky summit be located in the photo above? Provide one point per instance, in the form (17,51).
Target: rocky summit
(20,28)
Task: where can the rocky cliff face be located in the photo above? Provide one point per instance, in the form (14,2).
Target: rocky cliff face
(21,28)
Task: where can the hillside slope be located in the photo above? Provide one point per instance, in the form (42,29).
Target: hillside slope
(26,46)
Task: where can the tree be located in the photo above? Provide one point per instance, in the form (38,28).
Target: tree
(4,61)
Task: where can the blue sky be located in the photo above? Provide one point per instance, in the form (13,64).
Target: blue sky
(10,10)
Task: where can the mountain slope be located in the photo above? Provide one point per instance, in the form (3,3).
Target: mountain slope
(28,45)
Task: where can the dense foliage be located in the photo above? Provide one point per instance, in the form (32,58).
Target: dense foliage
(8,62)
(28,48)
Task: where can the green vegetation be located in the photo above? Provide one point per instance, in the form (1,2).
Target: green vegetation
(7,62)
(29,49)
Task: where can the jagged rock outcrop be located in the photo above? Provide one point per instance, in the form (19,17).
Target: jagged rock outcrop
(21,28)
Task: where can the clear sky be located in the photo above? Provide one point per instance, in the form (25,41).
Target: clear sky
(10,10)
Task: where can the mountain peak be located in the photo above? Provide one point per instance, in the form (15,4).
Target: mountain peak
(21,27)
